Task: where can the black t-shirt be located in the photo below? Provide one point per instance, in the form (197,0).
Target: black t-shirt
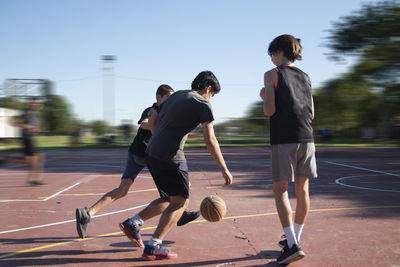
(182,112)
(139,144)
(292,120)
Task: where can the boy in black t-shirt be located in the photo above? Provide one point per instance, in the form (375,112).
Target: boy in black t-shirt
(134,164)
(172,122)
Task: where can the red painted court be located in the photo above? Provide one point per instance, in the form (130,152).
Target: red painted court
(353,221)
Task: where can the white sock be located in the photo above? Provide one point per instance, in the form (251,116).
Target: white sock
(154,242)
(298,228)
(137,220)
(290,235)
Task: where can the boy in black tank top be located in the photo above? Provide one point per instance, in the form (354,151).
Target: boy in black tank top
(288,102)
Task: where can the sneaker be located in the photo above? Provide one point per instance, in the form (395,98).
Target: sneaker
(158,252)
(132,231)
(187,217)
(289,255)
(283,243)
(82,220)
(35,182)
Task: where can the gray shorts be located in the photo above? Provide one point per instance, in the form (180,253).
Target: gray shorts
(293,160)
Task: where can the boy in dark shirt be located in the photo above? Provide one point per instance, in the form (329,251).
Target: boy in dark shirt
(172,122)
(288,102)
(134,164)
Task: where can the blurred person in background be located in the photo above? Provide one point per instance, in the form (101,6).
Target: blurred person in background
(29,124)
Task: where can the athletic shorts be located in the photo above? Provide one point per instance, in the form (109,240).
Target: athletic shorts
(134,165)
(171,179)
(293,160)
(29,146)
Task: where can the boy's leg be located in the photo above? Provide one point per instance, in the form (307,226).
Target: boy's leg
(156,207)
(282,203)
(35,170)
(292,251)
(303,204)
(170,216)
(154,249)
(111,196)
(131,226)
(284,211)
(134,165)
(83,215)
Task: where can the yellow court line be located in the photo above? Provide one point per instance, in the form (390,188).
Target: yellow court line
(12,200)
(198,221)
(64,243)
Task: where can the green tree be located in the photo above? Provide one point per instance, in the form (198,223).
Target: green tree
(255,120)
(372,35)
(11,102)
(346,103)
(56,114)
(99,127)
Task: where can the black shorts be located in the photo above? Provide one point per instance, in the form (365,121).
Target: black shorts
(29,146)
(171,179)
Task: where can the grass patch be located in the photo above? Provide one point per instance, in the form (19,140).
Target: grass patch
(54,142)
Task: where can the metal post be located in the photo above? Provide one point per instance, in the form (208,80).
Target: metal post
(108,89)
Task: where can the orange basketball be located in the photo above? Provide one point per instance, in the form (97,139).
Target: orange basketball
(213,208)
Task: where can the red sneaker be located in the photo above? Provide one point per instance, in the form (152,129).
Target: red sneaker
(132,231)
(158,252)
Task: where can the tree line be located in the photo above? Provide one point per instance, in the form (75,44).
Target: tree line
(57,117)
(368,95)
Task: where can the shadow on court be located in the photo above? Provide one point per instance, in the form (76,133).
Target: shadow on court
(36,259)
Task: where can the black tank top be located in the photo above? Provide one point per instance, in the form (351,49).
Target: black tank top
(292,120)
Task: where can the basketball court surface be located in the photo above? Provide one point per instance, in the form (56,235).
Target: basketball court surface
(354,218)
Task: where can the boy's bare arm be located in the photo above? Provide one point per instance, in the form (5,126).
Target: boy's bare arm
(18,122)
(312,107)
(152,122)
(215,151)
(145,124)
(267,93)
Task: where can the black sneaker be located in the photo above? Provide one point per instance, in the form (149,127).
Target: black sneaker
(283,243)
(289,255)
(82,220)
(36,182)
(187,217)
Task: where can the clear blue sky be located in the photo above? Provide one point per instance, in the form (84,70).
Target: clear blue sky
(161,41)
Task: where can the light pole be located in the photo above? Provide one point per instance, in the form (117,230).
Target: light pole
(108,89)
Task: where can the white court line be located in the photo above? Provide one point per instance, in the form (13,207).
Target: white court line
(68,221)
(338,181)
(35,200)
(364,169)
(47,198)
(101,194)
(59,192)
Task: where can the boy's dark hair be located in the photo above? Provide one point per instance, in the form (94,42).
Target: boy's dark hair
(204,79)
(164,89)
(290,46)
